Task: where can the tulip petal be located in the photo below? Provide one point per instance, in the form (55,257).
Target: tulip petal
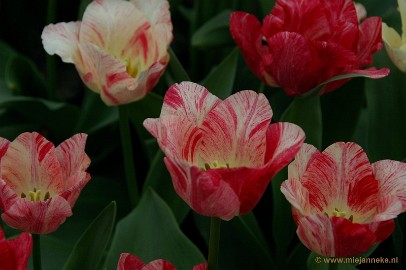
(4,143)
(234,131)
(207,194)
(333,176)
(283,141)
(62,39)
(78,181)
(394,46)
(159,265)
(128,261)
(391,176)
(72,157)
(189,99)
(30,162)
(297,196)
(302,160)
(37,217)
(370,40)
(7,196)
(21,246)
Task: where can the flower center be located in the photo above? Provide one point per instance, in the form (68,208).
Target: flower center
(338,213)
(215,165)
(132,68)
(35,195)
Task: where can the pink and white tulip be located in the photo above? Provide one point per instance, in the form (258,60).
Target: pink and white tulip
(14,253)
(341,202)
(39,184)
(128,261)
(221,154)
(119,48)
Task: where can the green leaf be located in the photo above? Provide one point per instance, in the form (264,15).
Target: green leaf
(220,80)
(160,180)
(151,232)
(214,33)
(175,67)
(306,112)
(89,250)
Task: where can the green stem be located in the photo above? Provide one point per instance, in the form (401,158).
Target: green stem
(128,156)
(51,60)
(36,253)
(333,266)
(214,243)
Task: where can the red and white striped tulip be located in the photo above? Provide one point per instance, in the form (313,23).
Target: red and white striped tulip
(40,183)
(341,202)
(14,253)
(119,48)
(221,154)
(128,261)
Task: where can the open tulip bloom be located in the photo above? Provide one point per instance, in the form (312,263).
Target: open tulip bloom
(394,43)
(128,261)
(221,154)
(39,184)
(14,253)
(119,48)
(302,44)
(341,203)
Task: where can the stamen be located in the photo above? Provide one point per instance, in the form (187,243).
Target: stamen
(351,218)
(23,195)
(35,195)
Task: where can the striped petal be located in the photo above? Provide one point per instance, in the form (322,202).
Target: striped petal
(337,175)
(205,193)
(62,39)
(201,266)
(302,160)
(78,181)
(39,217)
(189,99)
(72,157)
(297,196)
(4,143)
(128,261)
(391,176)
(234,131)
(283,141)
(21,248)
(30,162)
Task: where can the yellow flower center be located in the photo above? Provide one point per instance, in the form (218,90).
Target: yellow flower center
(338,213)
(35,195)
(215,165)
(132,68)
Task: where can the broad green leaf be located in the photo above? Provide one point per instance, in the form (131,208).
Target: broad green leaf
(298,257)
(266,6)
(306,112)
(242,244)
(89,250)
(151,232)
(214,33)
(220,80)
(160,180)
(386,99)
(178,72)
(6,53)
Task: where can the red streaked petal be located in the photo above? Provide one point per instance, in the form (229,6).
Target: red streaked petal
(62,39)
(109,77)
(351,239)
(72,157)
(234,131)
(39,217)
(201,266)
(159,265)
(189,99)
(370,40)
(297,196)
(246,32)
(30,162)
(79,181)
(21,247)
(205,193)
(283,141)
(7,196)
(4,143)
(177,136)
(382,230)
(303,158)
(128,261)
(316,233)
(389,207)
(334,174)
(285,48)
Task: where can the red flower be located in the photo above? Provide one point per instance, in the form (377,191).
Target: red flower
(128,261)
(302,44)
(39,184)
(221,154)
(14,253)
(341,203)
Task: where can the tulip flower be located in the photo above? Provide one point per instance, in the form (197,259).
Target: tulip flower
(341,203)
(394,43)
(128,261)
(40,183)
(303,44)
(14,253)
(221,154)
(119,48)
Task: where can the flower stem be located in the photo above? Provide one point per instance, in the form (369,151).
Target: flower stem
(51,60)
(36,253)
(128,156)
(214,243)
